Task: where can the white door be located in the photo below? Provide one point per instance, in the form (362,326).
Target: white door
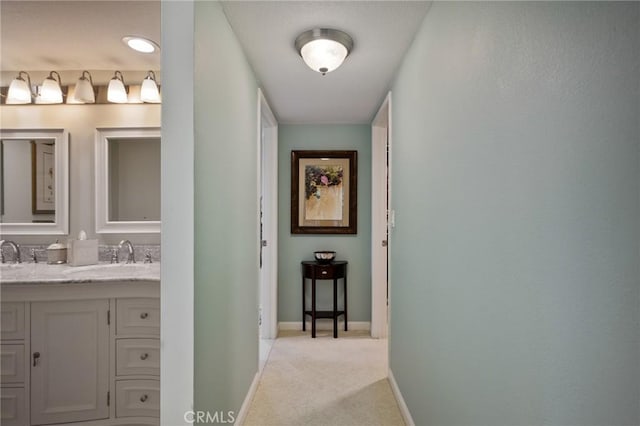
(69,361)
(268,186)
(380,196)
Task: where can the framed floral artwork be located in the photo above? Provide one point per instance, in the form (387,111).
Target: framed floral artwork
(43,178)
(324,192)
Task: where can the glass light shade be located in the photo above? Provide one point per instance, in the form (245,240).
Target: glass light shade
(50,92)
(323,55)
(116,92)
(84,91)
(149,91)
(19,92)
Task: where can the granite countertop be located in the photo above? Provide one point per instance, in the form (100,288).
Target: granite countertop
(42,273)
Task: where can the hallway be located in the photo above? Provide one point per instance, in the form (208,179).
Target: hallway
(514,280)
(325,381)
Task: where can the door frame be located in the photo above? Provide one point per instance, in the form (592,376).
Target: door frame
(380,178)
(267,140)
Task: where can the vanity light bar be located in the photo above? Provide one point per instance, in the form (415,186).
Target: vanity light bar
(100,99)
(146,92)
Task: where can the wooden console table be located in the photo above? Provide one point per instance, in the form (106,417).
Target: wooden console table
(324,271)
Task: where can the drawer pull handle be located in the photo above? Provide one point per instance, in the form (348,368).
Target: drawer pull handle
(324,272)
(36,355)
(144,398)
(144,315)
(144,356)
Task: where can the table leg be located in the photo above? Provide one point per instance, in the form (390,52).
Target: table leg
(304,319)
(345,302)
(335,308)
(313,307)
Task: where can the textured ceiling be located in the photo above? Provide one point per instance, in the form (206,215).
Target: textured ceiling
(76,35)
(382,31)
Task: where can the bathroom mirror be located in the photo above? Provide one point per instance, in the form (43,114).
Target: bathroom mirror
(128,180)
(34,182)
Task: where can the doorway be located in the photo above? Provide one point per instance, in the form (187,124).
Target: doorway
(380,202)
(268,199)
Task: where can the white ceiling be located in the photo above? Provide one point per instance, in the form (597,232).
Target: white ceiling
(76,35)
(382,31)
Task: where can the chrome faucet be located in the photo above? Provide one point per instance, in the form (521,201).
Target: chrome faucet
(16,250)
(114,255)
(130,257)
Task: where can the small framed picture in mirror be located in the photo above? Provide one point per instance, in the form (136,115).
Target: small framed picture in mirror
(43,177)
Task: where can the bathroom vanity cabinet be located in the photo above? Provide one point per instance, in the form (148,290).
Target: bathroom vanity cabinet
(83,353)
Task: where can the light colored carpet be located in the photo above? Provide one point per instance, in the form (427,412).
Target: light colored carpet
(325,381)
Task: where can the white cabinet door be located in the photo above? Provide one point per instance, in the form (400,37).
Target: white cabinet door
(69,361)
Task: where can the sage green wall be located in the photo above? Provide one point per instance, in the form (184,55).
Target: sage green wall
(356,249)
(515,281)
(176,286)
(226,215)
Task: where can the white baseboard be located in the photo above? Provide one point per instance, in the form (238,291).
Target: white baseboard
(404,410)
(325,324)
(244,409)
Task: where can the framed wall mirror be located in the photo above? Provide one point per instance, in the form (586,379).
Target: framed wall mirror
(34,182)
(127,180)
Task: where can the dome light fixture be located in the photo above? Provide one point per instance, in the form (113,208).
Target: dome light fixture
(324,49)
(141,44)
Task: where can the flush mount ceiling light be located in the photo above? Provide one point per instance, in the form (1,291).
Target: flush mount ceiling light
(141,44)
(324,49)
(20,90)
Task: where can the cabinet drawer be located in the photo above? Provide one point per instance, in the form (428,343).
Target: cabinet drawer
(12,403)
(12,321)
(137,356)
(136,317)
(324,272)
(12,363)
(138,398)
